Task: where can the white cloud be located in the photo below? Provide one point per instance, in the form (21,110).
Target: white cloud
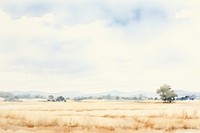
(99,45)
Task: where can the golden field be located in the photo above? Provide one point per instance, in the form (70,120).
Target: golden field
(100,116)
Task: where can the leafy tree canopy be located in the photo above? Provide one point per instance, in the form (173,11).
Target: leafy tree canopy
(166,94)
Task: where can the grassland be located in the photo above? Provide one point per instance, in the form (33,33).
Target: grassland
(100,116)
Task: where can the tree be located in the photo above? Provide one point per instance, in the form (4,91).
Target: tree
(108,97)
(166,94)
(50,98)
(60,98)
(117,97)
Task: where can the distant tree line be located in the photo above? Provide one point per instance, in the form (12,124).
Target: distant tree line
(51,98)
(165,92)
(58,99)
(187,97)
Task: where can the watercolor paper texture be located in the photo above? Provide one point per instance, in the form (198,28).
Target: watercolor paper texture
(99,49)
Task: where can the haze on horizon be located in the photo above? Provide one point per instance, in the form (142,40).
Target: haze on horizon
(101,45)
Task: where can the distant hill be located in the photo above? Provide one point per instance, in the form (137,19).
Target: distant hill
(125,94)
(69,94)
(72,94)
(182,93)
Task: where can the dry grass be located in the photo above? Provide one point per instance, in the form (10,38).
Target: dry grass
(99,116)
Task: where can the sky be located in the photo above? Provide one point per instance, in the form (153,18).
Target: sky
(99,45)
